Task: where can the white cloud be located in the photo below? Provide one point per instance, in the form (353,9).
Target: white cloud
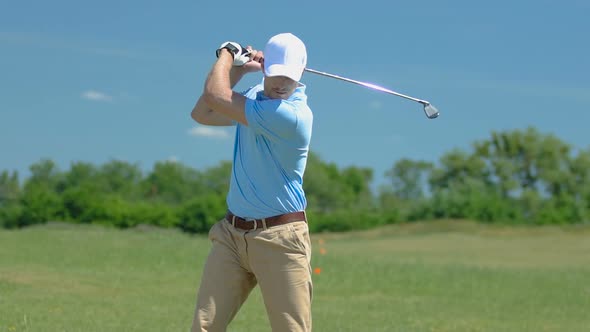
(94,95)
(172,159)
(211,132)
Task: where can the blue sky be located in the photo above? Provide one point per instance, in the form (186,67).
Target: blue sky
(95,81)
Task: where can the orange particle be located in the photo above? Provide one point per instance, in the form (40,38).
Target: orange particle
(321,241)
(317,270)
(323,251)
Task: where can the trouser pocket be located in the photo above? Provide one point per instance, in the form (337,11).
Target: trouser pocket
(300,236)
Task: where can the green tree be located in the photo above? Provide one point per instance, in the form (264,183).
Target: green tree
(121,177)
(216,179)
(459,169)
(328,188)
(80,173)
(40,201)
(44,173)
(409,178)
(79,202)
(9,188)
(580,182)
(405,197)
(173,183)
(10,194)
(40,204)
(358,180)
(522,174)
(200,213)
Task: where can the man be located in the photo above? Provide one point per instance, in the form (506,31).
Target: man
(264,237)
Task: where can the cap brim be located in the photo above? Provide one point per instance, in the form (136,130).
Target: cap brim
(291,72)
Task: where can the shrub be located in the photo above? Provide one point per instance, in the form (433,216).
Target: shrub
(346,220)
(10,215)
(199,214)
(40,205)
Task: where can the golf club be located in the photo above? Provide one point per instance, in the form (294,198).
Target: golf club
(430,111)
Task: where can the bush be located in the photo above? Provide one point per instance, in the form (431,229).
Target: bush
(111,210)
(480,206)
(10,215)
(560,210)
(199,214)
(115,211)
(78,201)
(40,204)
(347,220)
(151,214)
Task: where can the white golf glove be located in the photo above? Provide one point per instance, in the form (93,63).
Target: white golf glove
(241,54)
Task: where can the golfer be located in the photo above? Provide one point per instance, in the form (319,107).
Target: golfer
(264,237)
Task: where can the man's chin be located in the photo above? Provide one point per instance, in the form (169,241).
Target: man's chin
(274,95)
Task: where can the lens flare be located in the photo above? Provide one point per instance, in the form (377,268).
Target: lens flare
(431,111)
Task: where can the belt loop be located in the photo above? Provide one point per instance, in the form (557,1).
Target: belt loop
(264,223)
(233,220)
(255,222)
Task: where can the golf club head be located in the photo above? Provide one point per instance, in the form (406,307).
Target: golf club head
(431,111)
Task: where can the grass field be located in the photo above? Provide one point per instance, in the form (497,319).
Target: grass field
(442,276)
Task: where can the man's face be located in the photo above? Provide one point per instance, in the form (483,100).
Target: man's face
(279,87)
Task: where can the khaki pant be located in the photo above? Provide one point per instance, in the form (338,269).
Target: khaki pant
(278,258)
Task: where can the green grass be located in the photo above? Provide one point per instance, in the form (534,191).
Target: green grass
(450,276)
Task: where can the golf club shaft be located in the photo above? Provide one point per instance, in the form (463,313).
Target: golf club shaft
(368,85)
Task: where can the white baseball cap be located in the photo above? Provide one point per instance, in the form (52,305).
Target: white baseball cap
(285,55)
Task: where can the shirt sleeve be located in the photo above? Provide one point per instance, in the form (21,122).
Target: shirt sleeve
(272,117)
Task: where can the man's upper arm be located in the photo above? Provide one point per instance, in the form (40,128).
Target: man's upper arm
(205,115)
(229,104)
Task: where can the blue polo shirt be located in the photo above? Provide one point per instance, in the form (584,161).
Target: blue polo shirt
(270,155)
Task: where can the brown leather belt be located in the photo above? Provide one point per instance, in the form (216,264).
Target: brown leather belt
(281,219)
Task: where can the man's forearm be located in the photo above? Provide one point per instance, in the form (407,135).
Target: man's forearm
(218,93)
(203,113)
(219,81)
(235,75)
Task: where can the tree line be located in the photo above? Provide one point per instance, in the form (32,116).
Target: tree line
(518,176)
